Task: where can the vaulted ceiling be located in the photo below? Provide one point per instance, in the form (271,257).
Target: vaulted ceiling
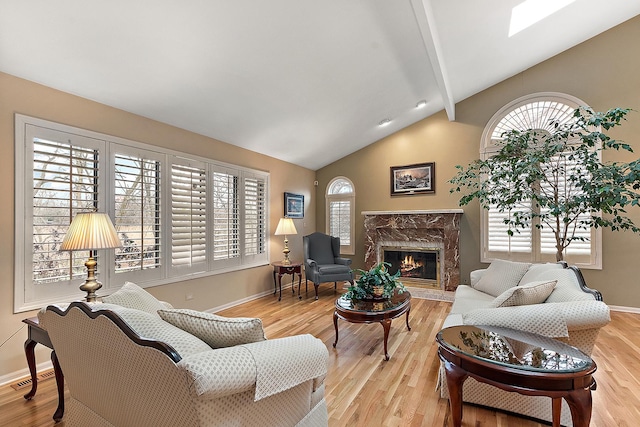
(305,81)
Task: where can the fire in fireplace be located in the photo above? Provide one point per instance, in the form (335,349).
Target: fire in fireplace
(414,263)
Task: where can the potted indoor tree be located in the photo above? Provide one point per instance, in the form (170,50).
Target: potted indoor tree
(560,178)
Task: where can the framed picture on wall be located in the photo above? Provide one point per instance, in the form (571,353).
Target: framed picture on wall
(413,179)
(293,205)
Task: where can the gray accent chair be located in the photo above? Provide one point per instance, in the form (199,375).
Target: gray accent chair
(322,261)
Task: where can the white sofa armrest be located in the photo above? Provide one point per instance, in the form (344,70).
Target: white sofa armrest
(475,276)
(581,315)
(543,319)
(207,368)
(271,366)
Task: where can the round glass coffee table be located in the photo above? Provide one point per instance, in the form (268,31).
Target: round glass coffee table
(372,311)
(517,361)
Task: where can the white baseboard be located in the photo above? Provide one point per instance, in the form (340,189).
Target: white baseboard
(623,309)
(15,376)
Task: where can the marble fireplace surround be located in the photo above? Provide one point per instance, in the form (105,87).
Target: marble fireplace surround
(416,228)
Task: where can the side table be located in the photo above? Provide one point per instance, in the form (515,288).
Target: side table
(37,335)
(281,269)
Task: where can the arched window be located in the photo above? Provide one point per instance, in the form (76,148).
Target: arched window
(536,112)
(340,202)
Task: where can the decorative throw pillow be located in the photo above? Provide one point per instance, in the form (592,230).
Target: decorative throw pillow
(133,296)
(500,276)
(217,331)
(530,293)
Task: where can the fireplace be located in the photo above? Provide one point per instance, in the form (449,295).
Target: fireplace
(417,266)
(437,231)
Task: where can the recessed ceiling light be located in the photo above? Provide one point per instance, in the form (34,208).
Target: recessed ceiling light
(384,122)
(422,103)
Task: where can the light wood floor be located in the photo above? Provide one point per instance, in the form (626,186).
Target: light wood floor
(364,390)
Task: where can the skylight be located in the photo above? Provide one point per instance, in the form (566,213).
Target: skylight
(529,12)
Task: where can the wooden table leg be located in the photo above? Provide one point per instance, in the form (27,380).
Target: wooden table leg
(556,411)
(29,346)
(299,285)
(280,286)
(275,284)
(408,327)
(455,380)
(57,416)
(335,325)
(580,404)
(386,325)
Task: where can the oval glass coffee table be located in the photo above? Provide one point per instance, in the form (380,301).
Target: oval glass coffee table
(517,361)
(371,311)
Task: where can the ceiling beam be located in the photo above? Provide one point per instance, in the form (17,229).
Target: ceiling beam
(426,23)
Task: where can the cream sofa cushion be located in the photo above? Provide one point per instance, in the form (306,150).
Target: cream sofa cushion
(500,276)
(216,331)
(151,326)
(133,296)
(530,293)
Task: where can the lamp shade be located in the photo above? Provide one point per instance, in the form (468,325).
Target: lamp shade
(286,227)
(89,231)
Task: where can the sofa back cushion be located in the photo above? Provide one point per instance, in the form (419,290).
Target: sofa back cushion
(567,288)
(530,293)
(151,326)
(500,276)
(133,296)
(216,331)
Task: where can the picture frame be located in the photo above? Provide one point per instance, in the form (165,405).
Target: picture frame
(293,205)
(413,179)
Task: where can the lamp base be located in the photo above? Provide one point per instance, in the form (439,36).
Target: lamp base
(285,251)
(91,285)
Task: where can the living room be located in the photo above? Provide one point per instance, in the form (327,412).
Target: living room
(601,71)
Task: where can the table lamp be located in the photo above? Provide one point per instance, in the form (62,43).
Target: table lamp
(90,231)
(286,226)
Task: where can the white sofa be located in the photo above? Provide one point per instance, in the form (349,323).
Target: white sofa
(566,310)
(143,363)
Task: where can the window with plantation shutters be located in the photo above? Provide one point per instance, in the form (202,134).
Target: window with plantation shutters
(137,181)
(340,202)
(537,243)
(176,215)
(62,178)
(255,224)
(224,202)
(188,218)
(563,170)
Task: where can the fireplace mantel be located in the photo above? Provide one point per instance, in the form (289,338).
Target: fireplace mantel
(436,228)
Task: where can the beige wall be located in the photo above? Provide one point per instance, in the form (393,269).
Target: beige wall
(603,72)
(21,96)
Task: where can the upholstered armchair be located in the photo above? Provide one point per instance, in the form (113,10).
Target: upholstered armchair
(322,261)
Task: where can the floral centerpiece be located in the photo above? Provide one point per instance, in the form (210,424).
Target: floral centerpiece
(376,283)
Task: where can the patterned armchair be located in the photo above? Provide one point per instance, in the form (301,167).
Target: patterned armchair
(130,367)
(322,261)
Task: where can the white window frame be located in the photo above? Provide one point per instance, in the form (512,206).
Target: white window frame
(26,297)
(146,275)
(342,197)
(487,148)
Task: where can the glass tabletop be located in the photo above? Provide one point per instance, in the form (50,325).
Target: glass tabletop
(373,305)
(512,348)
